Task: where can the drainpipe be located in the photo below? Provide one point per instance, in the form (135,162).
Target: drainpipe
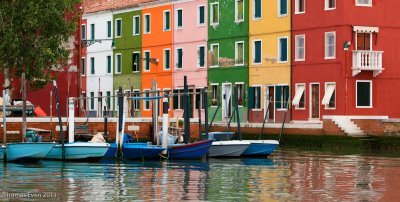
(291,65)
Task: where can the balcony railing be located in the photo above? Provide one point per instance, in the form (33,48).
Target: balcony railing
(367,61)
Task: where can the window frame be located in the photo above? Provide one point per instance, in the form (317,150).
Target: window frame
(282,108)
(279,9)
(177,18)
(259,96)
(118,63)
(334,93)
(254,52)
(326,57)
(145,24)
(165,21)
(214,95)
(297,107)
(327,5)
(236,53)
(134,25)
(364,5)
(212,14)
(279,49)
(242,92)
(297,8)
(147,60)
(211,47)
(198,16)
(146,101)
(205,56)
(296,47)
(254,10)
(116,28)
(164,59)
(237,11)
(138,69)
(370,94)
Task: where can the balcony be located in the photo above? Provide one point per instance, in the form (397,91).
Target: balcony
(367,61)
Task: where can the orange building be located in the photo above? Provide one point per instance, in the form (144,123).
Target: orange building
(157,51)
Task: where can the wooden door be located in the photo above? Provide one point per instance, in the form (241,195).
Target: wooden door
(271,96)
(315,101)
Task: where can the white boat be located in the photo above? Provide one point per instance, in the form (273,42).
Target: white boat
(79,150)
(28,151)
(232,148)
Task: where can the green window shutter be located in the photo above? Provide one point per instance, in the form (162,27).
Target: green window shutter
(147,56)
(167,59)
(109,64)
(283,8)
(108,99)
(201,56)
(278,95)
(175,99)
(286,95)
(257,11)
(91,100)
(284,49)
(92,65)
(147,23)
(180,58)
(201,15)
(167,21)
(83,32)
(137,24)
(251,97)
(83,66)
(257,47)
(108,28)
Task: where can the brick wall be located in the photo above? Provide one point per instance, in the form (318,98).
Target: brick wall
(330,128)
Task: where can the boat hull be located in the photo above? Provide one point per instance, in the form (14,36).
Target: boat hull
(135,151)
(261,147)
(2,149)
(228,148)
(28,151)
(79,150)
(218,136)
(189,151)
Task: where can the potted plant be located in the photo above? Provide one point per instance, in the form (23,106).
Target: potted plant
(180,123)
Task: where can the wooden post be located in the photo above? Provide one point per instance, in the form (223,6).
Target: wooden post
(205,100)
(4,118)
(120,136)
(186,108)
(59,119)
(51,116)
(154,112)
(23,88)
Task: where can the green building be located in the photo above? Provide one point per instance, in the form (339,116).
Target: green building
(228,35)
(128,53)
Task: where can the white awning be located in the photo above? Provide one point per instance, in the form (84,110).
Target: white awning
(299,93)
(364,29)
(330,88)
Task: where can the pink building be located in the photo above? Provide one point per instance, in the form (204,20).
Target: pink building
(190,52)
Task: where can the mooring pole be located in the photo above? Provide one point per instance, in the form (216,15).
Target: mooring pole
(199,109)
(71,120)
(59,119)
(165,123)
(186,107)
(4,122)
(23,88)
(51,116)
(205,110)
(120,122)
(154,113)
(237,112)
(105,123)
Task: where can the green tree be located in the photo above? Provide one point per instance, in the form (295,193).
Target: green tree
(33,38)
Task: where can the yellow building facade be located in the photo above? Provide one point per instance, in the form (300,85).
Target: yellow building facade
(270,56)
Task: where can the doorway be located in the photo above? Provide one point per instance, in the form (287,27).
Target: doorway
(314,111)
(226,100)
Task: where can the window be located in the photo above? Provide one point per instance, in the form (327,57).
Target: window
(118,63)
(255,97)
(83,62)
(147,60)
(257,9)
(84,100)
(283,7)
(92,31)
(330,4)
(83,32)
(146,102)
(136,93)
(136,25)
(364,41)
(108,28)
(179,20)
(363,2)
(147,24)
(300,48)
(214,14)
(118,27)
(179,58)
(167,20)
(109,64)
(214,96)
(239,53)
(108,100)
(178,99)
(239,89)
(283,49)
(281,97)
(201,15)
(299,98)
(136,62)
(167,59)
(330,45)
(329,99)
(201,56)
(257,52)
(300,6)
(239,10)
(92,100)
(199,99)
(92,65)
(364,94)
(215,55)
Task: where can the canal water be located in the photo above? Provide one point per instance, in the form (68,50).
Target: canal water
(287,175)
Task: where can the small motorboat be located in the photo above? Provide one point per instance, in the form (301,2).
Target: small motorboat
(189,151)
(218,136)
(135,151)
(28,151)
(260,147)
(2,149)
(232,148)
(79,150)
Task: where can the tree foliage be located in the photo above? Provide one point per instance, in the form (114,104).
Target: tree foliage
(32,34)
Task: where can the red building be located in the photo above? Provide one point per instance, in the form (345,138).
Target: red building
(345,55)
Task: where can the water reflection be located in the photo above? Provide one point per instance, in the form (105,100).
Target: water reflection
(285,176)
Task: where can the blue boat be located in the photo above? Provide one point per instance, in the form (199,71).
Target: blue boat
(79,150)
(260,148)
(189,151)
(135,151)
(2,149)
(28,151)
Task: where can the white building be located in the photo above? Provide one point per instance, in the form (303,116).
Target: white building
(99,61)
